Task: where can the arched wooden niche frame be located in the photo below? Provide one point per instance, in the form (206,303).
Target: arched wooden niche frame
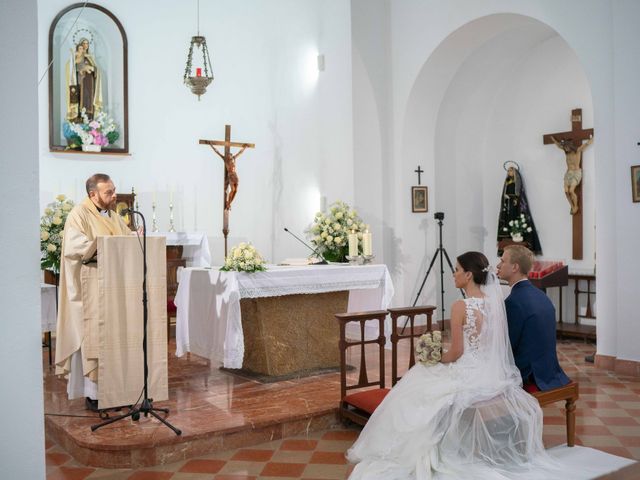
(118,100)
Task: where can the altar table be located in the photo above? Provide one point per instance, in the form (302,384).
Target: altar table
(210,319)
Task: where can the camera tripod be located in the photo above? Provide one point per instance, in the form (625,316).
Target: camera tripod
(443,255)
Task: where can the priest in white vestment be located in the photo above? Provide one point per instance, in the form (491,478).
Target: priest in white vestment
(77,336)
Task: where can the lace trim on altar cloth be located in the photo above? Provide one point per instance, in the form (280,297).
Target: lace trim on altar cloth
(280,290)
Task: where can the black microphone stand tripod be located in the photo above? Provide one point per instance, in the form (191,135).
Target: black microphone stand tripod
(146,407)
(440,253)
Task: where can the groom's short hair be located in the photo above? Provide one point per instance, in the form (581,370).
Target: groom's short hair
(521,256)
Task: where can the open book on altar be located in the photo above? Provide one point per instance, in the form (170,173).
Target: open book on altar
(299,262)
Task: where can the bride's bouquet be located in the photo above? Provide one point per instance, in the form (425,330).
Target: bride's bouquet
(429,348)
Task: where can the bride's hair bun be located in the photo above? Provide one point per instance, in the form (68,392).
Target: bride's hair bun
(477,264)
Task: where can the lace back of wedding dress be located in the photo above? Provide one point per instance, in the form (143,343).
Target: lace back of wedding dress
(494,423)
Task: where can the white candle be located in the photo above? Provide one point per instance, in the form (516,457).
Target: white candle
(353,244)
(366,243)
(171,196)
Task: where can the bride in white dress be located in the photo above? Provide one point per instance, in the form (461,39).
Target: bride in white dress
(466,417)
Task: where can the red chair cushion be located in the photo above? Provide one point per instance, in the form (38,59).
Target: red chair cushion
(531,387)
(367,400)
(171,307)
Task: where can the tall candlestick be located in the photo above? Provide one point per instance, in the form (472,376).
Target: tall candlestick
(154,224)
(172,228)
(353,244)
(366,243)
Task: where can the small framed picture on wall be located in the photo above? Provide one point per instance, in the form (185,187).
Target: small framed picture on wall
(635,183)
(419,199)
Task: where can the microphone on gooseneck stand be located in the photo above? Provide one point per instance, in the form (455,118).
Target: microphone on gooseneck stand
(323,262)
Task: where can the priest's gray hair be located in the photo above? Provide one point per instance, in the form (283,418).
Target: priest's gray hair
(94,180)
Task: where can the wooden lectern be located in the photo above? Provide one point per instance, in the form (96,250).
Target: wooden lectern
(119,317)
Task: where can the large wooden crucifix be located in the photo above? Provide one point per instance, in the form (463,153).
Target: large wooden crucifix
(571,144)
(230,174)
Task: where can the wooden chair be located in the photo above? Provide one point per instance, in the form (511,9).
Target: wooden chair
(569,393)
(359,406)
(411,332)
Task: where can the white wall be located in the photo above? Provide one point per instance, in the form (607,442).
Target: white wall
(419,27)
(267,87)
(21,404)
(476,83)
(626,153)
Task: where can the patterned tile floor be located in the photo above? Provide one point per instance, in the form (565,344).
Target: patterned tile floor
(608,419)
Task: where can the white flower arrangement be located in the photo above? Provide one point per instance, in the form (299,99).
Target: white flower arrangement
(244,258)
(429,348)
(517,227)
(330,230)
(51,230)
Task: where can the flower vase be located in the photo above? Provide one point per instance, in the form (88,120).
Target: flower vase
(91,148)
(517,238)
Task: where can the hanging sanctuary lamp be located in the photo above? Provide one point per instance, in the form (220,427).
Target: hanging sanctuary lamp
(199,82)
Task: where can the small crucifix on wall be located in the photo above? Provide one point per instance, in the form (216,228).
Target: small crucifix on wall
(230,175)
(419,197)
(571,144)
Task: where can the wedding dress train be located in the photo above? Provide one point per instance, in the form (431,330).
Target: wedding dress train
(469,419)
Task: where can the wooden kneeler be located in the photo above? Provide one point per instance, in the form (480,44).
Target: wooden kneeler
(569,393)
(407,330)
(359,406)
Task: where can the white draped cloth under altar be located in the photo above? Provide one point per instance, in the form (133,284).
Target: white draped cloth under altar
(195,246)
(209,322)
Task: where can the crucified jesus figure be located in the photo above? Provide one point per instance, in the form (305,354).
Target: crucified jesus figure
(231,180)
(573,175)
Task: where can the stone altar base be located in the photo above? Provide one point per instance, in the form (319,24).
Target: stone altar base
(292,335)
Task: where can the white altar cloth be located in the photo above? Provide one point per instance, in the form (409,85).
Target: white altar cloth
(195,246)
(209,323)
(48,313)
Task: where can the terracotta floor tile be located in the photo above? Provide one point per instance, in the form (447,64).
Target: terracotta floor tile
(592,430)
(292,456)
(149,475)
(623,421)
(242,468)
(325,471)
(333,458)
(291,470)
(630,441)
(235,477)
(298,444)
(203,466)
(53,458)
(613,425)
(250,455)
(69,473)
(548,420)
(340,435)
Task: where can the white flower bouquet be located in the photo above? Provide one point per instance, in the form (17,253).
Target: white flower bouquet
(329,231)
(101,130)
(51,228)
(517,228)
(429,348)
(244,258)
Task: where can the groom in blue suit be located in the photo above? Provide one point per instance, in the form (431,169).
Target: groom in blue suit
(532,323)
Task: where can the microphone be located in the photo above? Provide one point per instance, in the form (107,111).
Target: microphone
(126,211)
(323,262)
